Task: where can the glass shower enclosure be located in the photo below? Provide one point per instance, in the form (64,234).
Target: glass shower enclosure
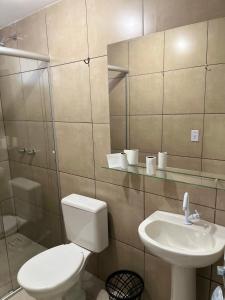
(29,197)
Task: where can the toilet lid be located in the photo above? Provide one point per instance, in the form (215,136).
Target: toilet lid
(50,268)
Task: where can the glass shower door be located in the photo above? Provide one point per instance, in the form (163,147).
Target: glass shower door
(31,210)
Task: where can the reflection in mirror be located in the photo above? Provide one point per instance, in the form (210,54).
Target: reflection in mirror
(173,97)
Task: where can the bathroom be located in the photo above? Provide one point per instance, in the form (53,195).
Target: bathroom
(81,79)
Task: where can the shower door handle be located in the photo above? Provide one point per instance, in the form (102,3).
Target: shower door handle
(31,152)
(21,150)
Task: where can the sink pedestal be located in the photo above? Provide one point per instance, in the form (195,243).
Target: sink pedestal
(183,285)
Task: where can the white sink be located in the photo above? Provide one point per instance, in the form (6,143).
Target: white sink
(185,247)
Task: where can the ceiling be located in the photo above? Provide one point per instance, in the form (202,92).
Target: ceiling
(13,10)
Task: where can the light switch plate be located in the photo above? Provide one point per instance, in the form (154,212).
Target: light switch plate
(195,135)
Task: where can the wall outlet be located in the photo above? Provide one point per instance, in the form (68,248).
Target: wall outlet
(195,135)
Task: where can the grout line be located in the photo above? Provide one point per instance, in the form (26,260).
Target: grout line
(105,55)
(91,106)
(87,28)
(159,114)
(143,17)
(204,108)
(163,100)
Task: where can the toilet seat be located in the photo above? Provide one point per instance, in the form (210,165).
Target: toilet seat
(51,269)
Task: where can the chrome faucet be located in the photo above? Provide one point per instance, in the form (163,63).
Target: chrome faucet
(187,217)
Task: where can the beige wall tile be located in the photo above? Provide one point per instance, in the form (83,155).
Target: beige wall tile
(67,31)
(177,134)
(1,116)
(120,256)
(214,139)
(19,169)
(150,16)
(215,89)
(9,65)
(216,41)
(181,12)
(117,96)
(204,272)
(51,224)
(112,21)
(71,184)
(146,54)
(157,278)
(99,90)
(126,212)
(50,146)
(203,288)
(184,91)
(12,97)
(146,94)
(32,37)
(146,133)
(71,92)
(38,142)
(75,153)
(220,217)
(120,178)
(186,46)
(118,132)
(220,201)
(17,138)
(183,162)
(118,54)
(198,195)
(154,203)
(161,14)
(5,190)
(3,143)
(213,166)
(101,135)
(36,97)
(49,186)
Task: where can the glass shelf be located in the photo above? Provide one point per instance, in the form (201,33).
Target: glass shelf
(201,179)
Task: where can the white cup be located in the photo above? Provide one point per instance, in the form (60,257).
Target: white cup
(162,160)
(150,165)
(132,156)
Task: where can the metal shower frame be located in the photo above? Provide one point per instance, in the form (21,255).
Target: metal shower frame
(23,54)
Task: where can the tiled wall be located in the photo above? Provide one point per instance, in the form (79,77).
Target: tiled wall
(76,30)
(176,83)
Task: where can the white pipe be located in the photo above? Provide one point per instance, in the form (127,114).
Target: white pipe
(24,54)
(117,69)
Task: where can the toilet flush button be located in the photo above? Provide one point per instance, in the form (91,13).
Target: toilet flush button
(195,135)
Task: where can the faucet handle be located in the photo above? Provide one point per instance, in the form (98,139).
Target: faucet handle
(196,214)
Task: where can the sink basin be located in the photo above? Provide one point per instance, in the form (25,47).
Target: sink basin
(185,247)
(197,245)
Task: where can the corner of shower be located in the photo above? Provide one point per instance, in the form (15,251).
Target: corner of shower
(30,219)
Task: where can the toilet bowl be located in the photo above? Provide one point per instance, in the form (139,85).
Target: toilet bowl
(56,273)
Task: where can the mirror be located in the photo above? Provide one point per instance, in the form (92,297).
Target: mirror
(167,93)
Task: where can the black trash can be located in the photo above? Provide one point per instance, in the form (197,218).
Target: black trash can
(124,284)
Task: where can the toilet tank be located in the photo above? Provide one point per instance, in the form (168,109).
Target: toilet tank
(86,222)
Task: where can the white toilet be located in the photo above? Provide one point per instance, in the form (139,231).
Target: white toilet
(55,273)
